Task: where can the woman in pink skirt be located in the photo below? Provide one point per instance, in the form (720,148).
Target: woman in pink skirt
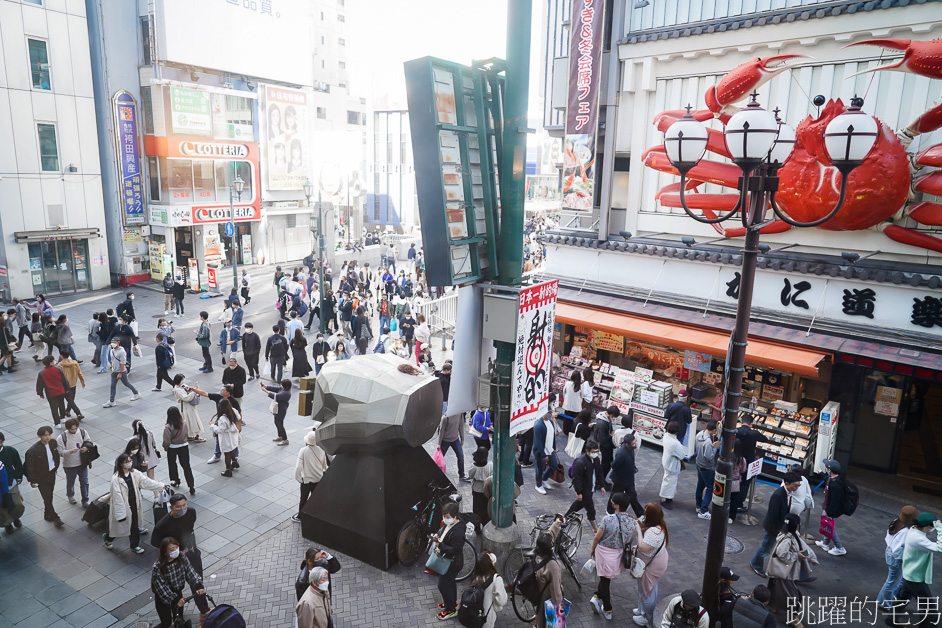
(616,532)
(652,549)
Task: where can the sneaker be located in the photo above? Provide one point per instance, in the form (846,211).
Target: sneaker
(596,604)
(84,503)
(135,397)
(213,460)
(758,573)
(636,612)
(465,478)
(192,491)
(541,490)
(276,440)
(640,620)
(227,473)
(143,531)
(110,404)
(199,439)
(704,515)
(284,442)
(526,465)
(547,486)
(837,551)
(823,544)
(104,537)
(441,606)
(72,500)
(667,504)
(446,614)
(137,550)
(296,518)
(251,378)
(607,615)
(155,389)
(235,463)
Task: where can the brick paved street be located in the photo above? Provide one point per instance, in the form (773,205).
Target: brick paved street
(61,578)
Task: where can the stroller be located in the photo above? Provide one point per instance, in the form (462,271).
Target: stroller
(221,616)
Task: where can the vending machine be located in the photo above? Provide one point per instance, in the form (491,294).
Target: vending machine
(827,435)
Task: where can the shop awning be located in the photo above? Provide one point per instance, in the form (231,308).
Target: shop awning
(55,234)
(758,352)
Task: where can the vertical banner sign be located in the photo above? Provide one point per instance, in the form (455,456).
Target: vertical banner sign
(287,147)
(532,355)
(128,153)
(582,105)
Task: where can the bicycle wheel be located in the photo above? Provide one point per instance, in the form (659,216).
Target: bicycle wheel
(570,538)
(515,560)
(409,543)
(523,607)
(470,559)
(565,560)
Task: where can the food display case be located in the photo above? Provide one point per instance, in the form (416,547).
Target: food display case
(792,434)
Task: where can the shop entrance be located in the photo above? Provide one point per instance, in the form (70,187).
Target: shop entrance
(183,240)
(59,266)
(243,248)
(920,454)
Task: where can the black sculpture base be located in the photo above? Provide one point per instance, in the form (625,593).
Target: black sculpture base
(363,501)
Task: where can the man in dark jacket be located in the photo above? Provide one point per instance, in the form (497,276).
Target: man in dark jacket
(234,375)
(161,354)
(167,283)
(179,291)
(276,353)
(748,612)
(251,349)
(125,309)
(623,473)
(679,411)
(749,437)
(444,378)
(833,506)
(319,351)
(52,385)
(586,479)
(179,523)
(603,432)
(40,466)
(779,505)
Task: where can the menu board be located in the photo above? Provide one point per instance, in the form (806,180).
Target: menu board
(622,390)
(604,341)
(646,425)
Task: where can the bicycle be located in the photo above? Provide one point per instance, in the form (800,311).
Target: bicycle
(413,538)
(565,546)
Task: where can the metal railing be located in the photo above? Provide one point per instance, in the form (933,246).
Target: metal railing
(441,314)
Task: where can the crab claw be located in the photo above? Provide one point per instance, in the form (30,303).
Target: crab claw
(919,57)
(743,79)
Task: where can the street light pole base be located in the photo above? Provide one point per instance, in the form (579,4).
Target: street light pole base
(500,541)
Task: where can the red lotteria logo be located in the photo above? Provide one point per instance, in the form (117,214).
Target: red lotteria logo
(221,214)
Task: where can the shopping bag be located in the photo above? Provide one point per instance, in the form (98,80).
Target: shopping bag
(439,458)
(138,351)
(134,329)
(588,569)
(574,446)
(827,527)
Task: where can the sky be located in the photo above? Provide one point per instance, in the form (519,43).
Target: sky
(390,32)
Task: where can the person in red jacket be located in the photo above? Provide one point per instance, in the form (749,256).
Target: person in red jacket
(52,384)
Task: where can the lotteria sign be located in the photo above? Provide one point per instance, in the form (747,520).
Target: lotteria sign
(221,214)
(214,150)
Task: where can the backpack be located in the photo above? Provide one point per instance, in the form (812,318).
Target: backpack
(851,498)
(471,607)
(302,309)
(680,619)
(380,345)
(169,358)
(525,581)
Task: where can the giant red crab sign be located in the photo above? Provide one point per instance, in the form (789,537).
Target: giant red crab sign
(877,190)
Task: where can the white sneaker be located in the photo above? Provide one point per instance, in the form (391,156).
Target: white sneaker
(136,397)
(213,460)
(704,515)
(547,486)
(596,604)
(636,612)
(155,389)
(837,551)
(541,490)
(823,544)
(607,615)
(640,620)
(110,404)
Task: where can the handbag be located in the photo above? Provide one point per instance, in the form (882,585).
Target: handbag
(559,475)
(437,562)
(774,566)
(734,485)
(574,446)
(273,407)
(827,527)
(627,558)
(588,570)
(638,565)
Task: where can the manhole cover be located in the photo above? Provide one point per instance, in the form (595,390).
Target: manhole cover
(733,545)
(141,624)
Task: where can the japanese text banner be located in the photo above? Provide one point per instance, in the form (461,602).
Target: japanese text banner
(536,315)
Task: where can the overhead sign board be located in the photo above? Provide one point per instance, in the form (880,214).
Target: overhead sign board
(454,116)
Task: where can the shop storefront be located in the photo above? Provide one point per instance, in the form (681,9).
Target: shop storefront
(641,364)
(59,262)
(189,211)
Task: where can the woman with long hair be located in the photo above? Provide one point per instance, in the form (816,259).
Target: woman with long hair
(485,577)
(125,505)
(653,539)
(170,574)
(7,345)
(149,450)
(133,450)
(572,401)
(895,540)
(737,496)
(175,443)
(588,382)
(185,396)
(549,576)
(300,367)
(789,559)
(228,428)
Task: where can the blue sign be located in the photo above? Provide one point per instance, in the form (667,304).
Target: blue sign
(129,159)
(695,361)
(230,230)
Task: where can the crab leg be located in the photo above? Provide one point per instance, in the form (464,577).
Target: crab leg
(911,237)
(926,213)
(718,202)
(932,156)
(777,226)
(707,171)
(742,80)
(929,183)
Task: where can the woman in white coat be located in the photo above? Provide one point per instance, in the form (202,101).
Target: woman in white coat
(485,577)
(228,428)
(125,513)
(187,397)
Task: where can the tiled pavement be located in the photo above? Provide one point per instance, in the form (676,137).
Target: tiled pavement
(51,577)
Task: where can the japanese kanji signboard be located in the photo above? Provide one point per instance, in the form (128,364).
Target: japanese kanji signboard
(582,106)
(128,154)
(529,395)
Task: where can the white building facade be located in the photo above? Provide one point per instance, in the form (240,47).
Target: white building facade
(52,223)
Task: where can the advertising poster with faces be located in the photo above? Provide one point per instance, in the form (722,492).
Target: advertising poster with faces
(286,137)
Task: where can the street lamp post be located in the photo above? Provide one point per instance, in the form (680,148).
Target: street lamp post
(309,192)
(237,186)
(760,144)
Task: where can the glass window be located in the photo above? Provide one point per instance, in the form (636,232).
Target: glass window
(147,108)
(39,63)
(36,2)
(178,174)
(204,187)
(341,18)
(322,113)
(225,177)
(239,110)
(153,172)
(145,39)
(48,151)
(353,117)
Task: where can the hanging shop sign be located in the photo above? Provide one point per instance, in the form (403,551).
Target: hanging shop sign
(533,355)
(696,361)
(582,106)
(604,341)
(128,154)
(190,111)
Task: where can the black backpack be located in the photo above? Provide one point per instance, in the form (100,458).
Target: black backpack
(851,498)
(526,581)
(471,607)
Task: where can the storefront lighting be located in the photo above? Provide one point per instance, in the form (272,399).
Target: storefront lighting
(308,190)
(239,185)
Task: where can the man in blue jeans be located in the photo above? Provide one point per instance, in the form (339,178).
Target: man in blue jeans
(544,450)
(779,505)
(833,506)
(706,468)
(119,371)
(451,436)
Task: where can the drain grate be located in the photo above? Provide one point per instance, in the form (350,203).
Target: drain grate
(733,545)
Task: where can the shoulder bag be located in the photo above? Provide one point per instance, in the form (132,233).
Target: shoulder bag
(273,406)
(574,446)
(627,556)
(637,564)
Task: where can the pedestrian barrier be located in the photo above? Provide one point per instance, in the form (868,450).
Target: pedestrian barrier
(441,314)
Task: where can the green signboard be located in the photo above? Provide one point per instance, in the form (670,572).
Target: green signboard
(455,119)
(190,111)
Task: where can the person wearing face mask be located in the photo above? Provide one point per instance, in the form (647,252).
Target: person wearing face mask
(120,364)
(138,459)
(313,609)
(586,479)
(319,351)
(309,469)
(170,574)
(251,348)
(126,513)
(71,445)
(149,451)
(313,559)
(449,542)
(180,525)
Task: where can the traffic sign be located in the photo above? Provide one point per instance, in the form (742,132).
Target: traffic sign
(230,230)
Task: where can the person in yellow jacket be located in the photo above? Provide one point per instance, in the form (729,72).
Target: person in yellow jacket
(73,373)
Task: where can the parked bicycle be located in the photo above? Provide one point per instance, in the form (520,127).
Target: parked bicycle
(413,539)
(567,542)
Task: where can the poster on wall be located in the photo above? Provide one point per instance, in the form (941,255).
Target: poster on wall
(529,395)
(582,105)
(190,111)
(129,158)
(696,361)
(287,159)
(604,341)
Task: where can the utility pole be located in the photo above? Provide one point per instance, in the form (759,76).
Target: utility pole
(510,252)
(237,187)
